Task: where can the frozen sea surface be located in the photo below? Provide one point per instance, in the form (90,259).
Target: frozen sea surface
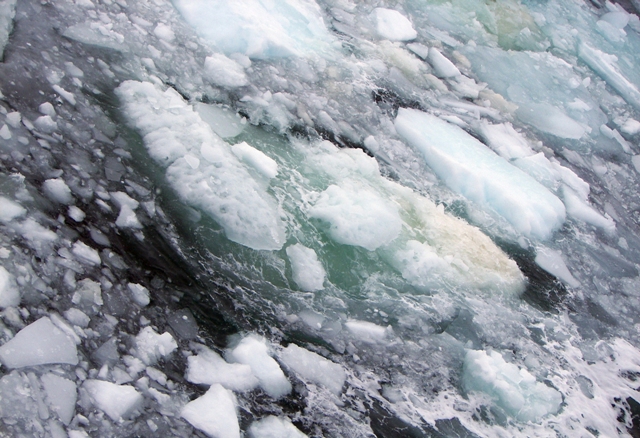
(319,218)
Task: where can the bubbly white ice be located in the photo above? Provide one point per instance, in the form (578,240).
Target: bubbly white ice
(119,402)
(214,413)
(208,367)
(274,427)
(313,367)
(308,272)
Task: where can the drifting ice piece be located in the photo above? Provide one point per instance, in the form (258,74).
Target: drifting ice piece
(214,413)
(254,351)
(308,272)
(314,368)
(442,67)
(61,395)
(392,25)
(7,13)
(514,389)
(550,119)
(9,293)
(274,427)
(151,346)
(224,72)
(10,210)
(201,167)
(551,261)
(39,343)
(473,170)
(208,368)
(117,401)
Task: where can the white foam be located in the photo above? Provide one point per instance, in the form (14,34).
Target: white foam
(314,368)
(39,343)
(513,389)
(117,401)
(224,72)
(274,427)
(151,346)
(255,352)
(552,261)
(219,185)
(61,396)
(208,368)
(473,170)
(392,25)
(308,272)
(214,413)
(9,292)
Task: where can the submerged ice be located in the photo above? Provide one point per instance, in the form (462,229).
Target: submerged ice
(319,218)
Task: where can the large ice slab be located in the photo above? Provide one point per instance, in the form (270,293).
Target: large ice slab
(514,389)
(473,170)
(258,28)
(314,367)
(39,343)
(201,166)
(214,413)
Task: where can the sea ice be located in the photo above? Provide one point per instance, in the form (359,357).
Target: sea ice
(214,413)
(257,160)
(274,427)
(9,292)
(224,72)
(313,367)
(224,122)
(552,262)
(392,25)
(117,401)
(208,368)
(39,343)
(85,254)
(9,210)
(139,293)
(442,67)
(7,13)
(308,272)
(514,389)
(254,351)
(57,190)
(473,170)
(548,118)
(61,396)
(151,346)
(369,332)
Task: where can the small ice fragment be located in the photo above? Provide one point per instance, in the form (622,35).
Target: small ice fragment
(207,367)
(9,292)
(254,351)
(552,262)
(164,32)
(274,427)
(139,293)
(10,210)
(368,332)
(61,396)
(635,160)
(550,119)
(14,118)
(77,317)
(85,253)
(117,401)
(76,214)
(630,127)
(214,413)
(151,346)
(57,190)
(392,25)
(47,109)
(224,122)
(314,368)
(88,295)
(224,72)
(619,20)
(5,132)
(258,160)
(69,97)
(580,209)
(39,343)
(127,218)
(442,67)
(308,272)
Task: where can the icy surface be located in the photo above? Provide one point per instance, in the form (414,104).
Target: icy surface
(214,413)
(470,168)
(274,427)
(117,401)
(313,367)
(39,343)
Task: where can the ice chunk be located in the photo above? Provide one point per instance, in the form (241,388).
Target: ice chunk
(85,253)
(214,413)
(506,141)
(95,34)
(264,165)
(368,332)
(76,214)
(39,343)
(208,368)
(45,124)
(473,170)
(630,127)
(548,118)
(579,209)
(442,67)
(514,389)
(257,29)
(308,272)
(61,396)
(255,352)
(392,25)
(313,367)
(77,317)
(220,185)
(10,210)
(151,346)
(18,398)
(88,295)
(164,32)
(274,427)
(552,262)
(47,109)
(117,401)
(224,72)
(9,292)
(57,190)
(357,216)
(7,13)
(139,293)
(224,122)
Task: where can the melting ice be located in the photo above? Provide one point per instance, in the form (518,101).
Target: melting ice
(319,218)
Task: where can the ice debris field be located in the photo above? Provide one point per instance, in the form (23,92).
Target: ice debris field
(319,218)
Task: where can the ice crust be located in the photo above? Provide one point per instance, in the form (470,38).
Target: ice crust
(214,413)
(39,343)
(514,389)
(200,166)
(473,170)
